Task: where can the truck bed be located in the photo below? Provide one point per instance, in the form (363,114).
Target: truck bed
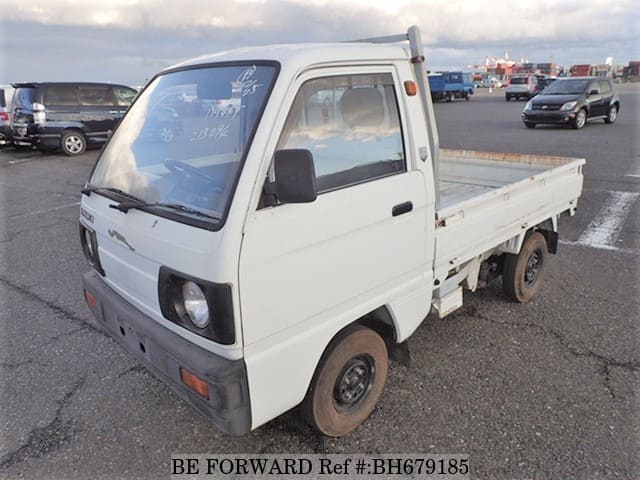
(491,197)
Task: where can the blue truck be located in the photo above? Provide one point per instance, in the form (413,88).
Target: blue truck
(450,85)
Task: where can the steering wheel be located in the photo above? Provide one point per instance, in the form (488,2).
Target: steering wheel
(189,171)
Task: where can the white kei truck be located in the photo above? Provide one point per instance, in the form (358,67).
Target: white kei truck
(267,226)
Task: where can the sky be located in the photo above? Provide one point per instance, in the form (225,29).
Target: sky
(128,41)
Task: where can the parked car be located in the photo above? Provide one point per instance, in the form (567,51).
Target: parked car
(522,87)
(491,83)
(572,101)
(5,115)
(69,116)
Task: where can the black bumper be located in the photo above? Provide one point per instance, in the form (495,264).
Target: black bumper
(163,352)
(555,117)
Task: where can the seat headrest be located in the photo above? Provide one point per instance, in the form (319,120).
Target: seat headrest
(362,107)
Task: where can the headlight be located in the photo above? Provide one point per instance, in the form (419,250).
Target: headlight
(568,106)
(195,304)
(529,105)
(200,306)
(89,243)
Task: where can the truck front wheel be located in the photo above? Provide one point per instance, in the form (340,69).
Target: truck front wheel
(348,382)
(523,273)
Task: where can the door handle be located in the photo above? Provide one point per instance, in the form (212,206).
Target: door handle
(113,111)
(401,208)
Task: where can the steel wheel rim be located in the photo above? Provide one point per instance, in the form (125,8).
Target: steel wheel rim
(354,382)
(73,144)
(166,134)
(582,118)
(533,268)
(613,114)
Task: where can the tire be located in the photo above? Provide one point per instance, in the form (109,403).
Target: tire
(73,143)
(529,124)
(348,382)
(522,274)
(450,97)
(467,97)
(580,119)
(612,116)
(507,98)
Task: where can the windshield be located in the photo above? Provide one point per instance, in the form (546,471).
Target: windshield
(183,140)
(23,97)
(519,81)
(567,87)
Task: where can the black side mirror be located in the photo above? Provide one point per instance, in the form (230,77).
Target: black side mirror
(295,176)
(595,91)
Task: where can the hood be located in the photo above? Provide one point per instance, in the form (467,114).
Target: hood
(542,99)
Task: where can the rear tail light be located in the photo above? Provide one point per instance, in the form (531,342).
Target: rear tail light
(4,116)
(89,243)
(39,115)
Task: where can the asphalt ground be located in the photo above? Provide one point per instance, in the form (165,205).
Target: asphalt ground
(546,390)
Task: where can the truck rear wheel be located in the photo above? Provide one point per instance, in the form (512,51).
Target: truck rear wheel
(523,273)
(348,382)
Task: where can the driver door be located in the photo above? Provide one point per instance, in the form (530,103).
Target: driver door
(364,235)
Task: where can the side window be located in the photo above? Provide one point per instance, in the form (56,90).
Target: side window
(124,96)
(95,96)
(61,95)
(593,86)
(351,126)
(605,87)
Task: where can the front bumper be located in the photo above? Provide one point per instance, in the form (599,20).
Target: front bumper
(555,116)
(164,352)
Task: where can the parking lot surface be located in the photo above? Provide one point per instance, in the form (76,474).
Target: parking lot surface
(550,389)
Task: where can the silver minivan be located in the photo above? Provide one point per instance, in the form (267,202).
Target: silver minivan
(524,87)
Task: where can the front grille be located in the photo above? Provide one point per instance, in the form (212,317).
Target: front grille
(546,108)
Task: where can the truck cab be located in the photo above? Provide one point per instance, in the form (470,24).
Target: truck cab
(294,229)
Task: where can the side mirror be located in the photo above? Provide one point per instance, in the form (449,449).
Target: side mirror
(295,176)
(595,91)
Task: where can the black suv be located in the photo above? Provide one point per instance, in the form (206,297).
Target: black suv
(69,116)
(573,100)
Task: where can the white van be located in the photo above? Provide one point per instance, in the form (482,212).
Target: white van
(298,224)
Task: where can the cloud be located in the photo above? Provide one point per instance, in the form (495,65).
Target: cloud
(440,20)
(144,35)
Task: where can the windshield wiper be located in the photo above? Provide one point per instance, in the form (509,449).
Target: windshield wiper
(135,202)
(126,206)
(89,190)
(185,209)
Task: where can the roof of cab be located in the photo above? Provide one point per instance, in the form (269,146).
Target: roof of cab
(304,55)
